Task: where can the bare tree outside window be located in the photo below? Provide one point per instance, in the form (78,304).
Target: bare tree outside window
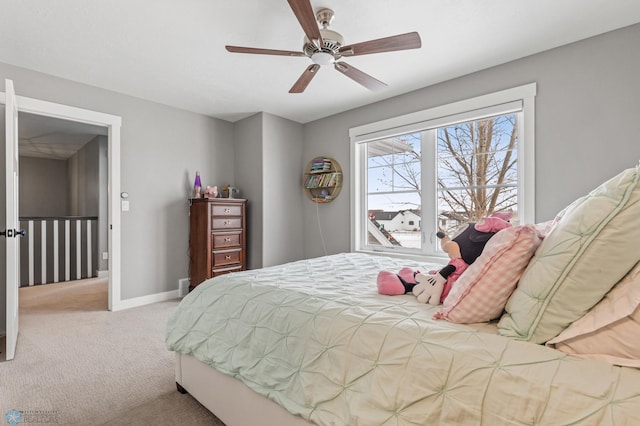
(476,167)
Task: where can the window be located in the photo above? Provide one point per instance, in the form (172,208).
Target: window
(442,168)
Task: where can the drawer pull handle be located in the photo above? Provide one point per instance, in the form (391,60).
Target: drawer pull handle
(227,210)
(227,257)
(227,222)
(227,240)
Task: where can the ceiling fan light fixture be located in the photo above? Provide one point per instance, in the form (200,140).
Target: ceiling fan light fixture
(323,58)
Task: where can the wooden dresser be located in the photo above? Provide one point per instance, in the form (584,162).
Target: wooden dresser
(217,238)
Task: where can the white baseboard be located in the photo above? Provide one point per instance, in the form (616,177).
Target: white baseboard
(103,274)
(145,300)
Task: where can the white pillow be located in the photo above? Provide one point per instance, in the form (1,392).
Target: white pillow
(593,244)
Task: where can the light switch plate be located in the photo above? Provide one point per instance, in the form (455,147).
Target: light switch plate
(125,205)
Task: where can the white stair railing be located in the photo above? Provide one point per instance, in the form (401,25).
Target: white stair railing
(43,255)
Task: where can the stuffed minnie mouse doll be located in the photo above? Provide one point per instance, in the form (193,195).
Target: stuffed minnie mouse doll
(463,250)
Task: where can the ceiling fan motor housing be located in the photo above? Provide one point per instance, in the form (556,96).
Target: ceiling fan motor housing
(327,53)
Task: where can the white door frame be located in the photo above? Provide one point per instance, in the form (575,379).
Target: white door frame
(113,123)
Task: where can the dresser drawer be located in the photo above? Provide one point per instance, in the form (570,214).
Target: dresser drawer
(222,271)
(226,223)
(226,239)
(226,210)
(226,257)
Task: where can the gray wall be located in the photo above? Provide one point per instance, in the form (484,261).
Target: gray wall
(88,191)
(88,176)
(84,179)
(268,173)
(248,178)
(161,148)
(43,187)
(587,124)
(282,232)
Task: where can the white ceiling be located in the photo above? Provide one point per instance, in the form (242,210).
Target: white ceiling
(172,52)
(53,138)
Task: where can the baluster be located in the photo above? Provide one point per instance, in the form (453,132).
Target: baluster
(31,255)
(78,249)
(67,250)
(56,254)
(89,251)
(43,252)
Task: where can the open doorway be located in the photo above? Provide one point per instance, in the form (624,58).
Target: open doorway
(9,266)
(112,123)
(63,202)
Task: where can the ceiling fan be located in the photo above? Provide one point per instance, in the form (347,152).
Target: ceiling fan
(325,47)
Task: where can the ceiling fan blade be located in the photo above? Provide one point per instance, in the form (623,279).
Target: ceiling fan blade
(387,44)
(305,79)
(239,49)
(360,77)
(304,13)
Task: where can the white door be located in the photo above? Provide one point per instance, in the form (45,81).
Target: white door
(11,230)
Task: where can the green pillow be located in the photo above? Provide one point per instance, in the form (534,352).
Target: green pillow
(593,244)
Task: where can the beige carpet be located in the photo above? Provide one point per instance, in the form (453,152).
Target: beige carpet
(77,363)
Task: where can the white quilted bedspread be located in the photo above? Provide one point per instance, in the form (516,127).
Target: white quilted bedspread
(315,337)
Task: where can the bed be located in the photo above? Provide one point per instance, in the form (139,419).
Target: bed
(314,337)
(312,341)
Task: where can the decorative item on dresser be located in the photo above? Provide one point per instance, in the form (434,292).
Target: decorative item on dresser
(217,238)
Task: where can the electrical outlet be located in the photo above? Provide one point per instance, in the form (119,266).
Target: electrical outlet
(105,255)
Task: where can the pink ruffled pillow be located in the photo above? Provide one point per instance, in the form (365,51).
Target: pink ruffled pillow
(482,291)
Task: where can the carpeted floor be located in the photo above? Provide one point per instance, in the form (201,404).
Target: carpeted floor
(77,363)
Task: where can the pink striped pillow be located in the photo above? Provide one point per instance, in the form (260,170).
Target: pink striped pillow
(482,291)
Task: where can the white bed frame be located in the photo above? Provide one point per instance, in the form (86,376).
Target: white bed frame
(229,399)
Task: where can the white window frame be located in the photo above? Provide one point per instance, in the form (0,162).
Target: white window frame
(521,98)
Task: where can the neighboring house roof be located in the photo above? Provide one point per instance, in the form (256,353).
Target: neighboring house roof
(379,215)
(415,212)
(382,215)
